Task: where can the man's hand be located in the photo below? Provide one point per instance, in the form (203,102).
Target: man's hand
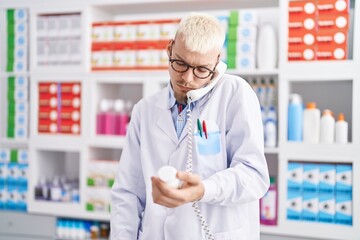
(191,190)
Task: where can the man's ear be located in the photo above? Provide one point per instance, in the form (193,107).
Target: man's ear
(169,46)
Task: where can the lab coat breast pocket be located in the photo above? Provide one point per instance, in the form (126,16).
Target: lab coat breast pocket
(208,153)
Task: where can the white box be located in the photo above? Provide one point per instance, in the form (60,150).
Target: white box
(75,51)
(327,178)
(21,132)
(148,57)
(294,205)
(20,14)
(52,26)
(21,107)
(21,29)
(63,52)
(150,32)
(295,176)
(168,30)
(4,155)
(344,214)
(125,32)
(247,32)
(248,17)
(343,178)
(21,94)
(124,58)
(41,26)
(245,48)
(64,26)
(327,207)
(21,119)
(310,206)
(75,25)
(245,62)
(23,156)
(21,81)
(310,177)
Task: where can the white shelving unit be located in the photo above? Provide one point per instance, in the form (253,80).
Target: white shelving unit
(325,79)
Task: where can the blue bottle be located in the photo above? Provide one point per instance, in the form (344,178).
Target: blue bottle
(295,118)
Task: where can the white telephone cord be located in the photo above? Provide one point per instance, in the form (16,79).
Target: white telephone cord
(200,217)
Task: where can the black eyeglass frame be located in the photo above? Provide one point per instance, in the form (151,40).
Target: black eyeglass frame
(171,60)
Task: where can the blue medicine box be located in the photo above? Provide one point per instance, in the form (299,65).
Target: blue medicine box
(343,178)
(310,177)
(294,205)
(343,213)
(327,178)
(310,206)
(295,176)
(327,207)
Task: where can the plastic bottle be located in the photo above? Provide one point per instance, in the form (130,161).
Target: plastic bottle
(121,117)
(295,118)
(270,128)
(101,115)
(311,130)
(268,205)
(110,119)
(270,89)
(341,129)
(327,127)
(266,53)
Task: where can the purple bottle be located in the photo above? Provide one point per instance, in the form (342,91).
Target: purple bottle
(268,205)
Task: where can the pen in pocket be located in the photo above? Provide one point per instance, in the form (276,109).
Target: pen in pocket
(204,128)
(199,127)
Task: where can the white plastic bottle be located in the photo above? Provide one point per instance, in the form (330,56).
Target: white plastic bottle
(270,133)
(266,52)
(311,123)
(341,129)
(327,127)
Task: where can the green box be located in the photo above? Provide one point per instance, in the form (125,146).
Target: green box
(13,156)
(11,120)
(11,95)
(10,15)
(232,33)
(231,62)
(11,30)
(234,18)
(11,82)
(89,207)
(231,48)
(11,132)
(11,108)
(10,65)
(90,182)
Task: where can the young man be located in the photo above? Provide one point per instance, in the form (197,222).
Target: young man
(229,170)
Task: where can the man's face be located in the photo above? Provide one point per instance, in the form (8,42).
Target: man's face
(182,82)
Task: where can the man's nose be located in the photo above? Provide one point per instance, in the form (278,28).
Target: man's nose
(188,76)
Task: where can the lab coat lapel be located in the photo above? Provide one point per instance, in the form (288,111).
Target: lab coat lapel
(163,114)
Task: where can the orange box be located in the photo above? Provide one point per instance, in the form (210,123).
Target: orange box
(331,52)
(336,37)
(301,22)
(333,6)
(70,114)
(70,128)
(301,52)
(333,21)
(70,101)
(301,37)
(51,115)
(304,7)
(48,88)
(70,88)
(47,127)
(48,102)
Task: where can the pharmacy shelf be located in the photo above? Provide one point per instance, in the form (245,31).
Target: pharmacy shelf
(116,142)
(14,142)
(129,76)
(56,208)
(255,72)
(273,150)
(131,7)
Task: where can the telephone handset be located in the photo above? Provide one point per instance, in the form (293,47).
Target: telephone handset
(195,95)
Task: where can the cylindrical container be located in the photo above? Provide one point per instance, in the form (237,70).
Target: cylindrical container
(266,52)
(295,118)
(341,129)
(110,120)
(327,127)
(311,130)
(121,117)
(101,115)
(270,133)
(268,205)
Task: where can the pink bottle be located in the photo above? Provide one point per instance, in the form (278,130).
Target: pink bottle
(268,205)
(121,117)
(110,119)
(101,115)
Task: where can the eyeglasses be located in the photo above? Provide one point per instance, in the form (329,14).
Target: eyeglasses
(181,67)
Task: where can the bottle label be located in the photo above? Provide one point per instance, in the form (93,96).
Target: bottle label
(268,206)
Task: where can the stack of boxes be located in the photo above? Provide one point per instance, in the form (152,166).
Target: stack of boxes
(241,39)
(320,192)
(59,39)
(59,107)
(18,40)
(17,107)
(101,175)
(17,65)
(13,179)
(132,44)
(318,30)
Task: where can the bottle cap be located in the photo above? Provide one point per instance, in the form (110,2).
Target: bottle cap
(272,180)
(341,117)
(327,112)
(311,105)
(295,98)
(104,105)
(119,105)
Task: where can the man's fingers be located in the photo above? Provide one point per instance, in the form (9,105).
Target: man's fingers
(190,178)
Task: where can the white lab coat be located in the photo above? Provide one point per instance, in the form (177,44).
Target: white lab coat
(235,175)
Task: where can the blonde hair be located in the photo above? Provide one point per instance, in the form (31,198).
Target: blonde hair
(201,33)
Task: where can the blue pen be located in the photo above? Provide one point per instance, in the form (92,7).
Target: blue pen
(199,127)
